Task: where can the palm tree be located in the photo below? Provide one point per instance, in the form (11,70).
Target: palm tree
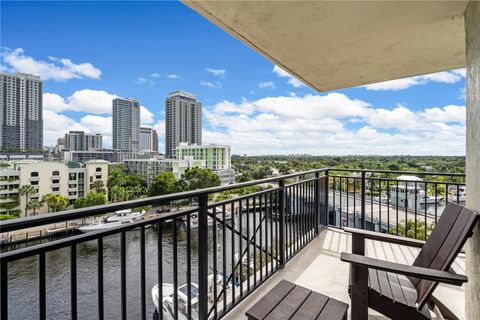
(34,205)
(99,186)
(50,200)
(61,203)
(117,193)
(26,190)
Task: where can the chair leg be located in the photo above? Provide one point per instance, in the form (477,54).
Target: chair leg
(440,310)
(359,292)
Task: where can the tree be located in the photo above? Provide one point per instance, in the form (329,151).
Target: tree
(164,183)
(34,205)
(99,186)
(26,190)
(50,200)
(117,194)
(408,229)
(93,198)
(198,178)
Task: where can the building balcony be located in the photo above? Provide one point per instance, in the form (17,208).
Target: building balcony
(32,179)
(292,231)
(7,182)
(9,191)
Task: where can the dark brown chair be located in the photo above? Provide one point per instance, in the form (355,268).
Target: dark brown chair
(402,291)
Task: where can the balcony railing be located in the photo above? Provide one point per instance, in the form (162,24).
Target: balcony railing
(226,249)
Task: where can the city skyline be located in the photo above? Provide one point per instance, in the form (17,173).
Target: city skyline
(248,102)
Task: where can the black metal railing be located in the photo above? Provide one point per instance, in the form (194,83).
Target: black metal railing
(224,249)
(401,203)
(208,257)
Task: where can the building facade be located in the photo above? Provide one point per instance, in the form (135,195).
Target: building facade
(21,113)
(183,121)
(81,141)
(47,178)
(107,155)
(217,158)
(148,169)
(154,141)
(126,124)
(146,138)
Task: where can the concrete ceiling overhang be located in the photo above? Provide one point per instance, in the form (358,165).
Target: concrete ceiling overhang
(338,44)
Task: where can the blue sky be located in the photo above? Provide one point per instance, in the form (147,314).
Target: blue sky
(88,52)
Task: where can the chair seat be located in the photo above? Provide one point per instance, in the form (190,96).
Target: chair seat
(397,288)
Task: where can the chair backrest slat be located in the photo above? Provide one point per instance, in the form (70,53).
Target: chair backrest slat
(443,245)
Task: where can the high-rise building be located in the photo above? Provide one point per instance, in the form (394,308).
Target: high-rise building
(21,120)
(81,141)
(146,139)
(154,140)
(126,124)
(183,121)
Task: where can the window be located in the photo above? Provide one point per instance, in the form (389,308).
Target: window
(98,169)
(72,176)
(56,189)
(34,174)
(55,173)
(55,181)
(34,183)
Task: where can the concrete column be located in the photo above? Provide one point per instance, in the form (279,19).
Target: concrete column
(472,30)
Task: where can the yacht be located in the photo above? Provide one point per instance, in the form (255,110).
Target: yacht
(123,215)
(219,215)
(426,199)
(167,307)
(103,225)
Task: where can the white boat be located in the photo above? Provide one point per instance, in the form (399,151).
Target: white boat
(123,215)
(430,199)
(167,307)
(219,215)
(103,225)
(458,194)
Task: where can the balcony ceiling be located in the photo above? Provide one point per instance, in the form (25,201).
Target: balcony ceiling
(337,44)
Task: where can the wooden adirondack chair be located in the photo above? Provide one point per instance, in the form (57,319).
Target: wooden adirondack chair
(406,292)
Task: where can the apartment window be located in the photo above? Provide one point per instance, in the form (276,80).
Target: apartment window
(56,189)
(98,177)
(34,174)
(55,173)
(55,181)
(98,169)
(34,183)
(72,176)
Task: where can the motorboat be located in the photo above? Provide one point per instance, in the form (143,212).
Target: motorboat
(103,225)
(127,214)
(218,214)
(430,199)
(167,306)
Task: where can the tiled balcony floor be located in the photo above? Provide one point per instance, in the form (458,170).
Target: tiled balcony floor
(318,267)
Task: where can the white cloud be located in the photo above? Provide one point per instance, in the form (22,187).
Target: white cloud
(56,125)
(59,69)
(333,124)
(449,77)
(212,85)
(266,85)
(146,117)
(155,75)
(141,80)
(217,72)
(86,100)
(291,80)
(173,76)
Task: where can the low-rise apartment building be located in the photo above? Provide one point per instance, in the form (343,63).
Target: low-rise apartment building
(217,158)
(46,178)
(148,169)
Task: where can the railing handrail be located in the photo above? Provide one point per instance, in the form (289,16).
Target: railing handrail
(73,214)
(423,173)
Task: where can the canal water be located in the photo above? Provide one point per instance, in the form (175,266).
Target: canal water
(23,274)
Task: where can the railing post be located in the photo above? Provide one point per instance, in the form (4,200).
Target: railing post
(203,256)
(327,215)
(363,200)
(281,227)
(317,202)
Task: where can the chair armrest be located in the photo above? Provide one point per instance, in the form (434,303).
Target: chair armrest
(407,270)
(385,237)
